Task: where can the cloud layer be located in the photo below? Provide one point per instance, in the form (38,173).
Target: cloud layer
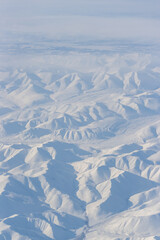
(138,20)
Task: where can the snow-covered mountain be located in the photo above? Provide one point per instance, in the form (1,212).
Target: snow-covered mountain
(80,152)
(79,120)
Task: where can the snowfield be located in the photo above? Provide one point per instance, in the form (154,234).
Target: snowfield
(80,151)
(79,120)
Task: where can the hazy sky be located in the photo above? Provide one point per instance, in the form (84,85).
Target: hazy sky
(98,19)
(145,8)
(29,30)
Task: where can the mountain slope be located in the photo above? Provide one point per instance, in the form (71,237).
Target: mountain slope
(79,153)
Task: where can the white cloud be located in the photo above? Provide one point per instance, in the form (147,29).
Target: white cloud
(79,20)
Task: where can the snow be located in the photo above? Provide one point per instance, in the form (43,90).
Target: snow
(79,120)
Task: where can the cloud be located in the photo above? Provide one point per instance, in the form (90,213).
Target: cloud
(33,20)
(142,8)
